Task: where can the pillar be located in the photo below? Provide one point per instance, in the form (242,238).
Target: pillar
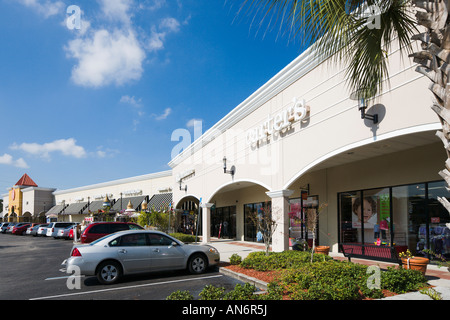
(280,214)
(206,222)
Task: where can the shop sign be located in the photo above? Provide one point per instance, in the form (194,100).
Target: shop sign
(297,111)
(435,220)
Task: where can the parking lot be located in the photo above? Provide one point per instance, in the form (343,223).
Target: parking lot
(30,271)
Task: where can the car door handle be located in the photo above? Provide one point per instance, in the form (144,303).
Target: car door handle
(155,250)
(122,251)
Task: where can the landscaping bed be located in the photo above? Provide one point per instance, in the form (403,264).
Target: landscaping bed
(292,276)
(296,278)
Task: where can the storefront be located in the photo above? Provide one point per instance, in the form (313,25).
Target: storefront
(299,143)
(407,216)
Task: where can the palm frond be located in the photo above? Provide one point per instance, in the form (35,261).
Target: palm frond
(336,29)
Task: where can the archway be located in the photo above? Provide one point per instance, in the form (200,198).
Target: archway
(26,217)
(230,206)
(187,210)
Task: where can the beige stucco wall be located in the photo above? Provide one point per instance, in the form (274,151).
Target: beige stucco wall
(147,184)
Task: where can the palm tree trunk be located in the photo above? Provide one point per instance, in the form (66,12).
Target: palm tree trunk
(434,60)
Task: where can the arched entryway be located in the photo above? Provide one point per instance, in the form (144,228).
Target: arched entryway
(188,220)
(226,212)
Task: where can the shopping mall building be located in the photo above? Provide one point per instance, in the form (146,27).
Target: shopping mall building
(298,142)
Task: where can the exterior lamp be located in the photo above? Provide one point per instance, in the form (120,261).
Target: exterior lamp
(233,169)
(185,187)
(362,96)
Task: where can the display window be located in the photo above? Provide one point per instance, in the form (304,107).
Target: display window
(406,217)
(223,222)
(300,209)
(251,232)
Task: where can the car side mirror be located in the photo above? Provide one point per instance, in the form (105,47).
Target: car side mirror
(174,244)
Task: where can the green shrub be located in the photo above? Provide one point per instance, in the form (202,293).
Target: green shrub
(187,238)
(235,259)
(212,293)
(242,292)
(280,260)
(401,280)
(180,295)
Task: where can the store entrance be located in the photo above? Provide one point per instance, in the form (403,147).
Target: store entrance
(223,222)
(300,227)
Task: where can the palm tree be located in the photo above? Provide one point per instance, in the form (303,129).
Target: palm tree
(360,33)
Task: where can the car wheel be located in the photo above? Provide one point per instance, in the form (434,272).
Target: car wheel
(109,272)
(197,264)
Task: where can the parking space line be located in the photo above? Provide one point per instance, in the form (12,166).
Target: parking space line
(121,288)
(64,277)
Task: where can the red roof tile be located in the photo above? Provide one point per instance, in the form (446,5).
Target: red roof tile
(26,181)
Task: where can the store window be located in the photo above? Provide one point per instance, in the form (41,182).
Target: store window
(298,218)
(250,228)
(410,207)
(439,217)
(223,222)
(408,217)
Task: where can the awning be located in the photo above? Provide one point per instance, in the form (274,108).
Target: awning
(93,206)
(121,204)
(75,208)
(56,210)
(160,201)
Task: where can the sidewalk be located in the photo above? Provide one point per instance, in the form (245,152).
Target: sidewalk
(439,278)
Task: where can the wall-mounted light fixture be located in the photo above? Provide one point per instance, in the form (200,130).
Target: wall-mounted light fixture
(231,171)
(362,96)
(183,188)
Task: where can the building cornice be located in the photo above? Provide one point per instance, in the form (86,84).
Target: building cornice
(156,175)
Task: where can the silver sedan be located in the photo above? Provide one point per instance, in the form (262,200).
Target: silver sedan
(137,251)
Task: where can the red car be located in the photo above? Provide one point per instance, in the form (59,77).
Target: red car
(97,230)
(20,228)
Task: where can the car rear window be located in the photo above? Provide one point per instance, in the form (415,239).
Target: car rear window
(99,228)
(63,225)
(119,227)
(135,227)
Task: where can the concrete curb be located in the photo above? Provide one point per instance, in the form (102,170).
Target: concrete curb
(244,278)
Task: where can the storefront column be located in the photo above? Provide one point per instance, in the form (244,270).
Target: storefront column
(206,222)
(280,214)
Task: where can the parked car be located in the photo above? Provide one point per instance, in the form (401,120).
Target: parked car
(20,228)
(97,230)
(42,230)
(10,227)
(30,228)
(3,227)
(53,228)
(138,251)
(64,233)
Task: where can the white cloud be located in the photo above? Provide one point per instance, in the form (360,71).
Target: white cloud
(117,10)
(164,116)
(191,123)
(8,159)
(131,101)
(46,8)
(67,147)
(113,50)
(158,34)
(106,57)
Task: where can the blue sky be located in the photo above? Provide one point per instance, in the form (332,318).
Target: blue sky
(89,105)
